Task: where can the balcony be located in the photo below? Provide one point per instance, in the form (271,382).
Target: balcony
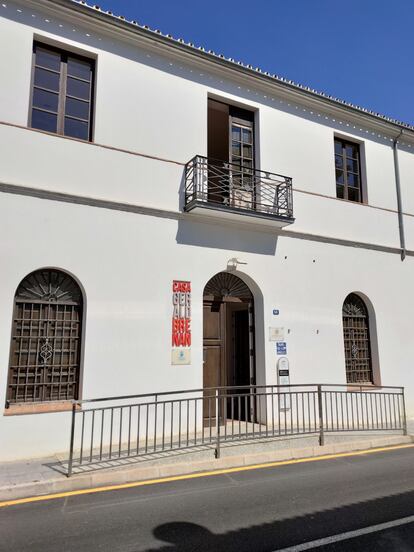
(235,192)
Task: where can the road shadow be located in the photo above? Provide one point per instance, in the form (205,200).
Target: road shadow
(183,536)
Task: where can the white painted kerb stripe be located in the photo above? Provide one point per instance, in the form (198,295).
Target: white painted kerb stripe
(349,535)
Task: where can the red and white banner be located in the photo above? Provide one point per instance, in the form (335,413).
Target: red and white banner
(181,319)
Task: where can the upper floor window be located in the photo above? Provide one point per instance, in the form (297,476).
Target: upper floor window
(347,168)
(62,85)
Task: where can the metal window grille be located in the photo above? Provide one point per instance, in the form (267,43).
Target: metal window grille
(356,341)
(46,339)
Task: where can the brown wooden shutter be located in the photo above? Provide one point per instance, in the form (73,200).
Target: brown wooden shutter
(218,131)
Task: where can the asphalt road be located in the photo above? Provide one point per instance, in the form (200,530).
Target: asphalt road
(353,503)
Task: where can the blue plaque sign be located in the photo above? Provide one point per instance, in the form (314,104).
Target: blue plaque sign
(281,348)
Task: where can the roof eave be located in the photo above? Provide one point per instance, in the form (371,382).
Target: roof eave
(299,91)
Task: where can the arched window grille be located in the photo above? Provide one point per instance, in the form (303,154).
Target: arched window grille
(357,344)
(46,339)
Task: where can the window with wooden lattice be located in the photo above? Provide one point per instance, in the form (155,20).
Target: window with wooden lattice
(358,361)
(45,347)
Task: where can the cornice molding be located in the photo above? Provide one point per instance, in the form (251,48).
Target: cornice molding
(190,217)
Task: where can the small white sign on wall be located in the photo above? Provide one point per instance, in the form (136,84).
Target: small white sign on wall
(181,356)
(276,334)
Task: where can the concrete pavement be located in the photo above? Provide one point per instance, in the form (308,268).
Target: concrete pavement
(47,475)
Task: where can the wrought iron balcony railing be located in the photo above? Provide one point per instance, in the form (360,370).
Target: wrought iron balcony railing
(215,184)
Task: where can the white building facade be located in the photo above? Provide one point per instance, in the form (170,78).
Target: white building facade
(104,205)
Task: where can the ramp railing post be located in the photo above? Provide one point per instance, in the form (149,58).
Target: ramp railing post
(72,440)
(404,413)
(320,410)
(217,451)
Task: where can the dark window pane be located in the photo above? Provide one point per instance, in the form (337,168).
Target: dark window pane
(352,165)
(339,176)
(78,88)
(235,131)
(45,100)
(48,59)
(351,150)
(235,149)
(247,136)
(352,179)
(76,129)
(78,68)
(236,163)
(46,79)
(247,151)
(353,194)
(44,121)
(77,108)
(338,161)
(338,147)
(340,191)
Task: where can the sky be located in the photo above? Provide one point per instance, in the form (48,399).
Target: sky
(361,51)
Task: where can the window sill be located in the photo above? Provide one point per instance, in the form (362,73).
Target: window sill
(20,409)
(362,387)
(352,201)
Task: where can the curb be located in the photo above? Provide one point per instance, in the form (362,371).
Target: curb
(121,475)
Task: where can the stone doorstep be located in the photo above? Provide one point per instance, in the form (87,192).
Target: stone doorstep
(128,474)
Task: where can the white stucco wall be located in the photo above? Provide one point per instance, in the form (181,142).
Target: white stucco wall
(152,103)
(126,263)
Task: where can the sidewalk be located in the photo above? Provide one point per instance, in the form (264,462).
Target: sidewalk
(42,476)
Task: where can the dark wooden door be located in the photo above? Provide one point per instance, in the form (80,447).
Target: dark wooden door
(214,334)
(238,369)
(228,342)
(241,347)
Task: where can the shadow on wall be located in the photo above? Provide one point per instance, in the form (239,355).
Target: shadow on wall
(218,236)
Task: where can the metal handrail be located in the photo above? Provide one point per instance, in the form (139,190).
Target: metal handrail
(151,423)
(364,387)
(79,402)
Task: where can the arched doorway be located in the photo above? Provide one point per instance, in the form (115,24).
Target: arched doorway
(228,337)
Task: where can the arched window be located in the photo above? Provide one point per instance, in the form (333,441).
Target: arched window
(358,362)
(46,339)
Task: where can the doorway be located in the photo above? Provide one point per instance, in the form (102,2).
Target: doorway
(228,344)
(231,152)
